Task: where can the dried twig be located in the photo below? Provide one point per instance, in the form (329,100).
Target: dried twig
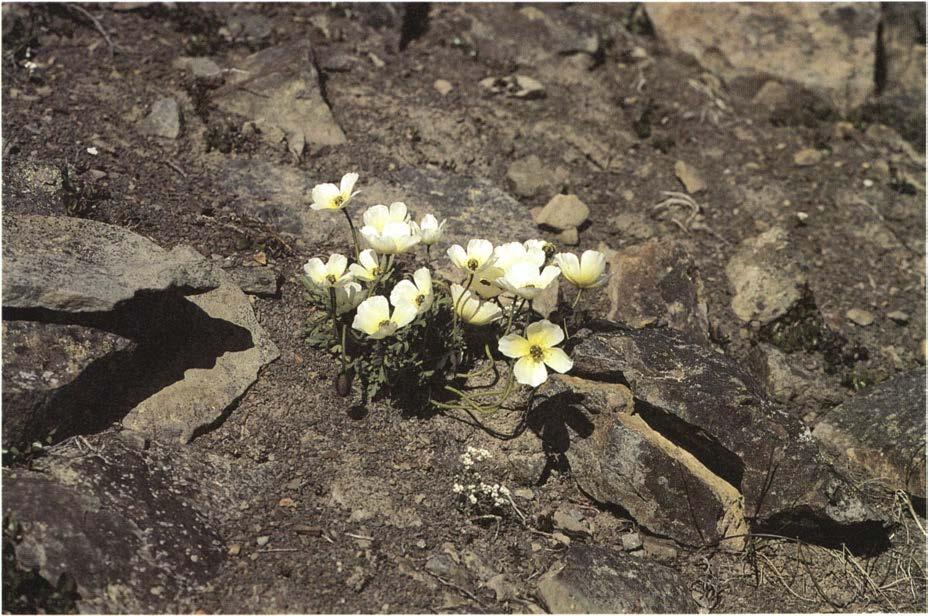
(96,24)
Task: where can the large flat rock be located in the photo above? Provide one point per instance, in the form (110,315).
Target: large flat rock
(883,431)
(76,265)
(828,47)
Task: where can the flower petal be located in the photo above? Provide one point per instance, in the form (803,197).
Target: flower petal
(530,372)
(544,333)
(423,278)
(376,216)
(347,184)
(558,360)
(404,314)
(404,292)
(315,269)
(323,196)
(458,256)
(336,265)
(514,345)
(481,250)
(398,212)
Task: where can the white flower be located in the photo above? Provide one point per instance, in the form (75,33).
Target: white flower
(374,318)
(347,297)
(484,283)
(477,257)
(329,274)
(534,351)
(418,295)
(471,309)
(526,280)
(511,253)
(332,197)
(387,230)
(429,230)
(587,272)
(367,268)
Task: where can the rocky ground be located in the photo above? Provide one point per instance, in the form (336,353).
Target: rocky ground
(746,433)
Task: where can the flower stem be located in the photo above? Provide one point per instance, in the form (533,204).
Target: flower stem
(513,311)
(576,299)
(354,233)
(332,304)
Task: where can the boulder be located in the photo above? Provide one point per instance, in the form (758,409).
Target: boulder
(830,48)
(657,282)
(766,280)
(119,517)
(278,87)
(261,281)
(901,72)
(883,431)
(597,580)
(164,120)
(75,265)
(694,444)
(563,212)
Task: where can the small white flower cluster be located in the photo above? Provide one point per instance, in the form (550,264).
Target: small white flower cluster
(519,269)
(474,491)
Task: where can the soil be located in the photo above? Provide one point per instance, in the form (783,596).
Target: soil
(861,247)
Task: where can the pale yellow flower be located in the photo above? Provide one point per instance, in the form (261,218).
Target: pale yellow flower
(587,272)
(332,197)
(387,230)
(374,318)
(471,309)
(534,351)
(417,294)
(329,274)
(526,280)
(429,230)
(477,257)
(368,266)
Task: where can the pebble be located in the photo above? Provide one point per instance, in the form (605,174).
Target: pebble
(563,212)
(802,217)
(899,317)
(570,237)
(164,120)
(631,541)
(808,157)
(262,540)
(443,86)
(868,183)
(690,177)
(860,317)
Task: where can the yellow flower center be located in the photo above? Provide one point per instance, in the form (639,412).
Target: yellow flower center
(338,201)
(331,278)
(537,353)
(420,299)
(384,323)
(473,264)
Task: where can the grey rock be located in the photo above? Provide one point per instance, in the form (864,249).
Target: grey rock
(121,522)
(808,157)
(596,580)
(48,385)
(860,317)
(789,382)
(570,520)
(240,350)
(704,453)
(898,316)
(631,542)
(76,265)
(339,63)
(205,68)
(766,280)
(902,95)
(515,86)
(249,27)
(164,120)
(690,177)
(631,225)
(529,176)
(829,48)
(772,95)
(260,281)
(278,87)
(883,431)
(657,282)
(563,212)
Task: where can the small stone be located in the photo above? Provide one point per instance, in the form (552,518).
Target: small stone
(631,541)
(339,63)
(561,538)
(528,88)
(570,521)
(97,174)
(93,151)
(899,317)
(260,258)
(802,218)
(156,590)
(524,493)
(807,157)
(421,544)
(868,183)
(375,60)
(859,316)
(843,130)
(569,237)
(164,120)
(443,86)
(563,212)
(204,68)
(262,540)
(689,176)
(772,95)
(286,502)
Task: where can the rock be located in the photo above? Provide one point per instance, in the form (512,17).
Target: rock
(121,522)
(233,351)
(165,119)
(515,86)
(690,177)
(596,580)
(529,177)
(563,212)
(260,281)
(443,86)
(690,448)
(657,283)
(901,70)
(279,87)
(631,542)
(569,237)
(772,95)
(632,225)
(790,383)
(45,372)
(248,27)
(200,67)
(570,520)
(807,157)
(766,280)
(899,317)
(339,63)
(859,316)
(76,265)
(882,430)
(829,48)
(546,301)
